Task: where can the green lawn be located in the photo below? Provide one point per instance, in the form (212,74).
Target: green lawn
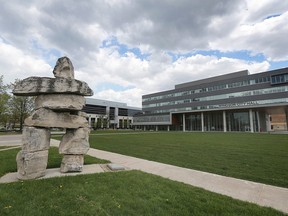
(120,193)
(256,157)
(8,160)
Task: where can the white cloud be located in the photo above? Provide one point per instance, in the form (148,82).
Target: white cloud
(266,37)
(258,11)
(35,33)
(154,75)
(130,96)
(17,65)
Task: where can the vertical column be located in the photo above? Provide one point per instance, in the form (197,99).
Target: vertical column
(258,121)
(144,128)
(268,122)
(89,121)
(128,123)
(202,121)
(156,127)
(116,117)
(224,121)
(168,128)
(184,122)
(251,121)
(108,116)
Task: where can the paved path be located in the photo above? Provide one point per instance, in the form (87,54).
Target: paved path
(10,140)
(261,194)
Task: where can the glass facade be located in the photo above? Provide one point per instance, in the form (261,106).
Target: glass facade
(193,122)
(212,88)
(213,121)
(238,121)
(231,102)
(278,79)
(221,96)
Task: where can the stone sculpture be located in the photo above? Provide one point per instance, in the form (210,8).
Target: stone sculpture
(58,104)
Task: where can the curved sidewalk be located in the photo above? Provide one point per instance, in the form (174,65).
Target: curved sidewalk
(261,194)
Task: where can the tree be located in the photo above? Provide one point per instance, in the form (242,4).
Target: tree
(13,109)
(21,108)
(4,106)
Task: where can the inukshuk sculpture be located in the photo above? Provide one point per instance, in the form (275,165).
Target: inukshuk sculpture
(58,104)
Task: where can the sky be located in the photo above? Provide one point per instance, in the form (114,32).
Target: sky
(125,49)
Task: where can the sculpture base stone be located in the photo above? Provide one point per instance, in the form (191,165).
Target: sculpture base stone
(31,165)
(72,163)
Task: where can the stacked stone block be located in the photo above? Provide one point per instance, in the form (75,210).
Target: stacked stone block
(58,104)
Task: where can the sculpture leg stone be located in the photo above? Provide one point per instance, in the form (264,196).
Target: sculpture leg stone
(74,145)
(32,159)
(72,163)
(75,141)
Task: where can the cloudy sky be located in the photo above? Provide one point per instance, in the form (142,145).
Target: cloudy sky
(124,48)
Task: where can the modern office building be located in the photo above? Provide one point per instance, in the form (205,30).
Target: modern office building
(233,102)
(109,114)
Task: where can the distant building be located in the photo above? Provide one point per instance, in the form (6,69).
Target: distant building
(233,102)
(109,114)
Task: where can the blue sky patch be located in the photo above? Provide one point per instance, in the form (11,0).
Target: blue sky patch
(272,16)
(277,65)
(50,55)
(242,54)
(123,49)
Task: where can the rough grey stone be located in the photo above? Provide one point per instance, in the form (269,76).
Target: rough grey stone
(60,102)
(31,165)
(72,163)
(50,119)
(35,139)
(75,141)
(33,86)
(64,68)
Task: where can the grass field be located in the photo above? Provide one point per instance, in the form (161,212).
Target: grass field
(256,157)
(120,193)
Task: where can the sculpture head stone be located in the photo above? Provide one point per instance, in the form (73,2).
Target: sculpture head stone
(64,68)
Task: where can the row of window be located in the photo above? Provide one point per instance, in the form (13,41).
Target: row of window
(223,106)
(281,78)
(212,88)
(223,96)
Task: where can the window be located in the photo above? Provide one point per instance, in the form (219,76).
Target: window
(281,78)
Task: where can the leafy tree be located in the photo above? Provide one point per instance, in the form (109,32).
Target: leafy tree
(21,108)
(13,109)
(4,99)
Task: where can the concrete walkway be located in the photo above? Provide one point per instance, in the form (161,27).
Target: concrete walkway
(261,194)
